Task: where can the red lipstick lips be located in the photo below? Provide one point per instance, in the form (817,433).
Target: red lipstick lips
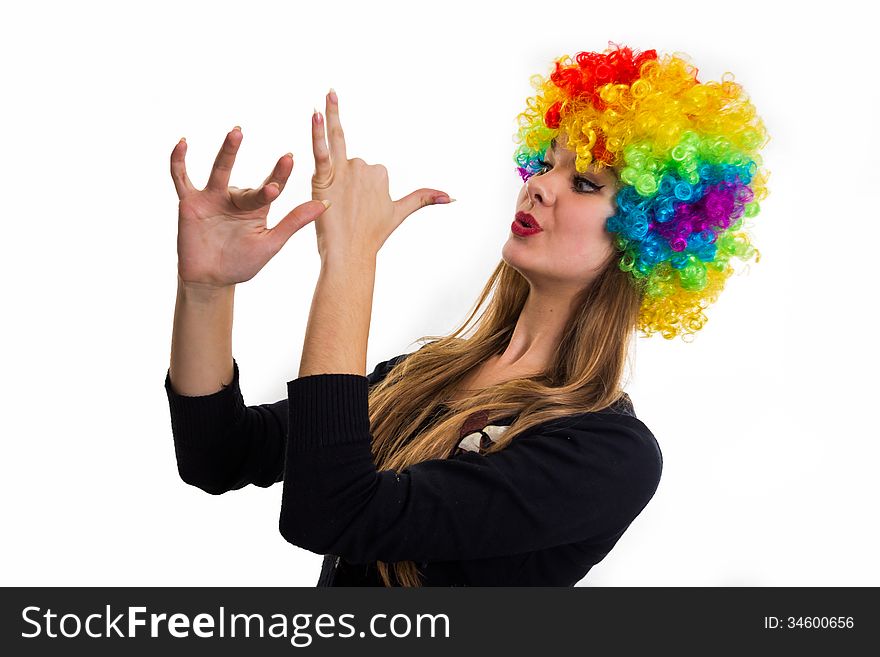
(524,224)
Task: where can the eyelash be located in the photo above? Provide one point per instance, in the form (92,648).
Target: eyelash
(577,179)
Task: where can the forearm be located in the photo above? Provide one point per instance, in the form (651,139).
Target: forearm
(201,341)
(339,320)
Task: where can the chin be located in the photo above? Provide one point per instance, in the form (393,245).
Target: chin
(513,259)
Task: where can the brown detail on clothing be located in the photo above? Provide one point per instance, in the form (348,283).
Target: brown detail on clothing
(474,422)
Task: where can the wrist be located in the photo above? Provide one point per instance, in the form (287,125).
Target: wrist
(202,292)
(348,258)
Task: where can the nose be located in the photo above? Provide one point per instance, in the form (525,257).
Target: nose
(539,191)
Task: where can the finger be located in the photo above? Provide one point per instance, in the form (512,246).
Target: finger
(178,170)
(335,135)
(219,179)
(252,199)
(294,220)
(281,172)
(418,199)
(319,148)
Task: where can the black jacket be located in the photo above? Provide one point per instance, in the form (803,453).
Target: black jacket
(541,512)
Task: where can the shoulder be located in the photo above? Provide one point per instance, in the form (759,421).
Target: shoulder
(615,423)
(611,440)
(617,444)
(607,464)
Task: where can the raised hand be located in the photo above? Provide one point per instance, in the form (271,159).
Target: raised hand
(362,215)
(222,237)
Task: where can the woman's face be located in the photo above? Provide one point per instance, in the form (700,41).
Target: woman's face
(571,209)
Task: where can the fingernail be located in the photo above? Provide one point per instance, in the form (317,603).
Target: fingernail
(317,116)
(290,154)
(183,139)
(238,127)
(326,203)
(443,199)
(333,98)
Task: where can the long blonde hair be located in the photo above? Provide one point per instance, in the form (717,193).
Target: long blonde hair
(585,375)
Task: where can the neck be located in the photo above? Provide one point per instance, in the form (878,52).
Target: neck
(538,329)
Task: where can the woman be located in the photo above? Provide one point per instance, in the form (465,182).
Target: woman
(506,454)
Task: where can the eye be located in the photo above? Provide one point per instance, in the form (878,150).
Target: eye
(590,187)
(581,185)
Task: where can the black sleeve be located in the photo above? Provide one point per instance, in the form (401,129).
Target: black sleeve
(222,445)
(583,477)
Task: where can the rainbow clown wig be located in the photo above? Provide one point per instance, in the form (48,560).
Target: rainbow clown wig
(685,154)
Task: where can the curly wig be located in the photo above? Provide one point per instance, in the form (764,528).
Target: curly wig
(686,157)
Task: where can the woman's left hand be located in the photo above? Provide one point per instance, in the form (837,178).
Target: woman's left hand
(361,215)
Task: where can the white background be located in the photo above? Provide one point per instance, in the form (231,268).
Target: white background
(770,457)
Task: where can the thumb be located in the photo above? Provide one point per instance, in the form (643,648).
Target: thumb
(418,199)
(296,219)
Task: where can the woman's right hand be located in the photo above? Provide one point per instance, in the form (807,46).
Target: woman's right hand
(222,237)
